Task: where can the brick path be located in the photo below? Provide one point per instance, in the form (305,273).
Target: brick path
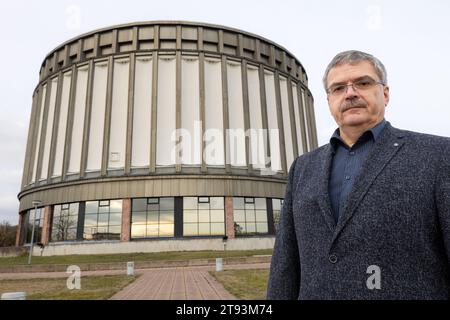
(194,283)
(174,284)
(181,283)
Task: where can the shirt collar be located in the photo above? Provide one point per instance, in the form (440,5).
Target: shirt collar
(373,133)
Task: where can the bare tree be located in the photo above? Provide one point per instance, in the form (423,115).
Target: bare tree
(7,234)
(61,228)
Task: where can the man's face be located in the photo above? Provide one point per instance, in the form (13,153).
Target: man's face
(357,107)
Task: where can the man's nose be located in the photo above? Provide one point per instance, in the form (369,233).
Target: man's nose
(350,91)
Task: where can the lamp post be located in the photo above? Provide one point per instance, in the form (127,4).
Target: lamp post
(35,203)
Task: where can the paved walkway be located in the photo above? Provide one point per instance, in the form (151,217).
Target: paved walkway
(180,283)
(174,284)
(193,283)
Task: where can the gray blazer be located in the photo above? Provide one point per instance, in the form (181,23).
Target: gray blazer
(397,218)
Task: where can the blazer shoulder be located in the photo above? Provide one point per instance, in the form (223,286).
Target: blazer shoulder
(425,145)
(309,160)
(423,138)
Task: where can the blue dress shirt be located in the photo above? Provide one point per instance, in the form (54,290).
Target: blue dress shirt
(346,164)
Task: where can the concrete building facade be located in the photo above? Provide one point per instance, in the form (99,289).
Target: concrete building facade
(160,136)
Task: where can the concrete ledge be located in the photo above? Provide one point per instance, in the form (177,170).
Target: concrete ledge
(157,245)
(137,264)
(12,251)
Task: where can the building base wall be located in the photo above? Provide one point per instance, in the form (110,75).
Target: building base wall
(114,247)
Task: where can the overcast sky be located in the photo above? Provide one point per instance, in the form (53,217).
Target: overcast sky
(412,39)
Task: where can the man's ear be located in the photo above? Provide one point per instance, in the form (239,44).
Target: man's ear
(386,95)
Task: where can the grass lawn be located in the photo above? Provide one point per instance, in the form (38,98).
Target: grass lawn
(248,284)
(92,287)
(99,258)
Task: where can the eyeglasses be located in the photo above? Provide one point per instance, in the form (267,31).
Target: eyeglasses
(362,84)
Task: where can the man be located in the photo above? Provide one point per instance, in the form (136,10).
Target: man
(366,216)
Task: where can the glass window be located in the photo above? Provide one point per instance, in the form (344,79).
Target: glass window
(142,114)
(103,220)
(207,214)
(217,216)
(62,125)
(140,204)
(39,133)
(261,227)
(203,199)
(152,217)
(138,230)
(250,215)
(115,205)
(119,114)
(65,222)
(239,215)
(203,216)
(277,204)
(260,203)
(38,219)
(257,148)
(56,211)
(217,229)
(261,215)
(190,216)
(191,142)
(190,229)
(166,204)
(190,203)
(90,219)
(166,111)
(289,145)
(166,230)
(115,219)
(251,227)
(305,116)
(91,207)
(214,150)
(94,159)
(166,217)
(298,124)
(272,118)
(78,120)
(239,228)
(139,217)
(236,134)
(217,202)
(238,203)
(49,129)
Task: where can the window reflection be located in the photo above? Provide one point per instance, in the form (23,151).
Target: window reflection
(103,220)
(152,217)
(65,222)
(277,204)
(203,216)
(38,219)
(250,216)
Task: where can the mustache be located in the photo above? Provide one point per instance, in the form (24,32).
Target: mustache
(352,103)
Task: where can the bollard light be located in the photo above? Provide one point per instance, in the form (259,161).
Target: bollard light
(219,264)
(130,268)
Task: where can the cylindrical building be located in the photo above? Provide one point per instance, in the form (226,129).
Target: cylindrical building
(161,136)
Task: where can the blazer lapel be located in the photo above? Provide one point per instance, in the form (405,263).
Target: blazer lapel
(384,149)
(323,195)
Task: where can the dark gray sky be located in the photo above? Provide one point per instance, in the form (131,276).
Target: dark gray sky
(410,37)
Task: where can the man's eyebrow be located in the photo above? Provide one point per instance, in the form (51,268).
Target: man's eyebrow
(365,77)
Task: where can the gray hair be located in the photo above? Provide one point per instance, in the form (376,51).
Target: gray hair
(354,56)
